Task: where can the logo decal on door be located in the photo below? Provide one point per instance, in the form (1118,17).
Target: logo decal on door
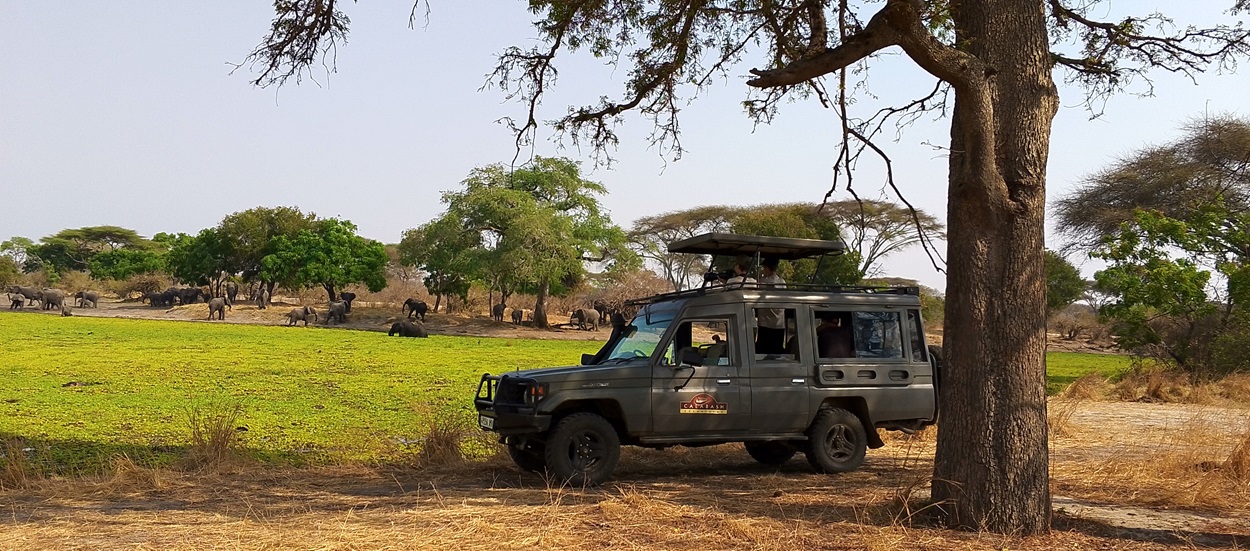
(704,403)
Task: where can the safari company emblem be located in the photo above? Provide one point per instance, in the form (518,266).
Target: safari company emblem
(704,403)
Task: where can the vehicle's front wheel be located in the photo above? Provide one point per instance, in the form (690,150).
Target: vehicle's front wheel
(583,449)
(770,453)
(836,441)
(528,458)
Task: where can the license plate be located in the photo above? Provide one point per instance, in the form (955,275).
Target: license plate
(486,422)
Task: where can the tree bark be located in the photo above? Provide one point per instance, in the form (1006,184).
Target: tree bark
(329,287)
(540,306)
(991,467)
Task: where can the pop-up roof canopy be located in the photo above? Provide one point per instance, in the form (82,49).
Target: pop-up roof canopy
(732,244)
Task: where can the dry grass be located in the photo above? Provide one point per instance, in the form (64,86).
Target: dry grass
(1238,462)
(214,438)
(15,469)
(1091,386)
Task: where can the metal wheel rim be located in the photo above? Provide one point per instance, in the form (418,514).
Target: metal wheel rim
(839,444)
(586,449)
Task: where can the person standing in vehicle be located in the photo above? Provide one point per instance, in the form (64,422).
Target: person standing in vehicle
(771,321)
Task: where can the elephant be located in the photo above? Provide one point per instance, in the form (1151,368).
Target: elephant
(217,306)
(586,319)
(262,298)
(300,314)
(517,315)
(190,295)
(408,328)
(165,299)
(88,297)
(603,308)
(347,297)
(51,298)
(29,292)
(414,306)
(66,310)
(18,301)
(337,311)
(496,311)
(232,291)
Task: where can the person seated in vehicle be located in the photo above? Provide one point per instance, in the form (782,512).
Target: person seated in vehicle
(739,275)
(716,350)
(834,338)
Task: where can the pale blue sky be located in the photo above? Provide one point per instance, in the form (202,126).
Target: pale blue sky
(125,113)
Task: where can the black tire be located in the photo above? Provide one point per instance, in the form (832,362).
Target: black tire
(583,449)
(529,458)
(836,441)
(770,453)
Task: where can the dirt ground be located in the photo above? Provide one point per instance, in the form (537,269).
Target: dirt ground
(1104,461)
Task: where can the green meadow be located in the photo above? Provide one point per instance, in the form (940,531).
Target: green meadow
(80,390)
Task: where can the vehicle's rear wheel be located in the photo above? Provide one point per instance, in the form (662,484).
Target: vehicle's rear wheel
(770,453)
(836,441)
(583,449)
(528,457)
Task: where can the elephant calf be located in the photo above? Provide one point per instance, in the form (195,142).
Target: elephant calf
(66,310)
(217,306)
(408,328)
(586,319)
(87,297)
(337,311)
(496,311)
(300,314)
(414,306)
(17,301)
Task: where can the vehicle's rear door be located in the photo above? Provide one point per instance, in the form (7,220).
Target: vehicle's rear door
(779,377)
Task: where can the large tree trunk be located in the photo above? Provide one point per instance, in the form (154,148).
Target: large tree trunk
(540,306)
(991,468)
(329,287)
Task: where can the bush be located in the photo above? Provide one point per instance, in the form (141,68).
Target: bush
(134,286)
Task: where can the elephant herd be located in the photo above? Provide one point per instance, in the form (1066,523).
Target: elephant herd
(49,299)
(586,319)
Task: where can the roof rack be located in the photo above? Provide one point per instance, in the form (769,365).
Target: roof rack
(840,289)
(781,248)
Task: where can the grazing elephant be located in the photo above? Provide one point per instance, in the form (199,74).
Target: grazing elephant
(189,295)
(66,310)
(347,297)
(217,306)
(30,293)
(51,298)
(262,298)
(337,311)
(414,306)
(586,319)
(232,291)
(496,311)
(87,297)
(408,328)
(18,301)
(300,314)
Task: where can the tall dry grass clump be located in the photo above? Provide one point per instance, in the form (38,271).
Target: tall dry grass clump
(214,438)
(446,433)
(15,469)
(1059,414)
(1090,386)
(1238,462)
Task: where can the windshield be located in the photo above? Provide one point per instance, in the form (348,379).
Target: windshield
(640,338)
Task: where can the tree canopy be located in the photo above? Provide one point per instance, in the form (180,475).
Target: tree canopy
(330,255)
(1064,284)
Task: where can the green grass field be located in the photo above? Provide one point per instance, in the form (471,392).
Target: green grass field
(305,395)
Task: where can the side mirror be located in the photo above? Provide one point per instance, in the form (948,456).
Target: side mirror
(690,356)
(587,359)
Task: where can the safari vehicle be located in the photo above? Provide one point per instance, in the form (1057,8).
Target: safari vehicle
(690,369)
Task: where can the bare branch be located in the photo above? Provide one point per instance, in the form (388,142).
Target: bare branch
(302,32)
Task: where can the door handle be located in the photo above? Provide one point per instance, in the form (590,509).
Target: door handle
(798,380)
(722,381)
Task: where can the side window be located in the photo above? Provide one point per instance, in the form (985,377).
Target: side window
(878,335)
(776,338)
(919,352)
(834,338)
(710,336)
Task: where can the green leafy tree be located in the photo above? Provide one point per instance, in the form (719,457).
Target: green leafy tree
(330,255)
(996,57)
(541,222)
(444,250)
(202,259)
(1064,284)
(252,234)
(15,249)
(124,263)
(9,271)
(801,221)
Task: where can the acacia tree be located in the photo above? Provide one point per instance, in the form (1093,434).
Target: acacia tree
(651,235)
(877,229)
(995,56)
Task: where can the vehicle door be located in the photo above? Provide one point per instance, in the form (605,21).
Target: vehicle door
(706,399)
(779,376)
